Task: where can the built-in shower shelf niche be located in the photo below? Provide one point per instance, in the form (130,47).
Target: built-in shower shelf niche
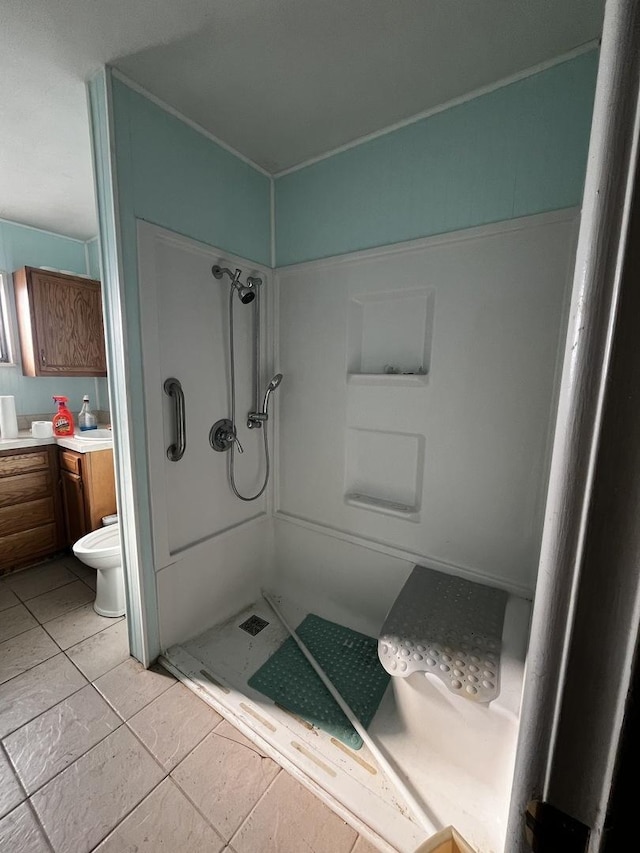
(387,378)
(389,337)
(384,472)
(386,507)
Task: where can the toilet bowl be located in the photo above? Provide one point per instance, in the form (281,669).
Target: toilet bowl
(101,550)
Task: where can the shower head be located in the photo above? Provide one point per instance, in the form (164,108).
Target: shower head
(277,379)
(246,292)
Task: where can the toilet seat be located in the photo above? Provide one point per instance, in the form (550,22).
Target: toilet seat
(106,540)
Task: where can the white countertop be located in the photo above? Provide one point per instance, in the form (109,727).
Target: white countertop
(80,445)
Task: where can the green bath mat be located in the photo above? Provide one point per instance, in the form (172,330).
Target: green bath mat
(350,660)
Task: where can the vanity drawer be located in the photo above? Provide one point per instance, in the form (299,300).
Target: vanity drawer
(70,461)
(22,463)
(20,547)
(26,487)
(15,519)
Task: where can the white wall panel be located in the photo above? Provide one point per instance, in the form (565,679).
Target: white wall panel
(346,582)
(212,581)
(494,301)
(210,548)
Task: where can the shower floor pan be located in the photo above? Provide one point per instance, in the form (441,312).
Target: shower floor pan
(457,756)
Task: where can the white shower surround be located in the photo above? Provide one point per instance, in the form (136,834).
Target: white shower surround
(485,410)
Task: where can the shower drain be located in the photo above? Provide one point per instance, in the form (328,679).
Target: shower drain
(253,625)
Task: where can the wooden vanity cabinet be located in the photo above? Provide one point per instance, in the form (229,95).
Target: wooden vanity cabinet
(60,322)
(31,523)
(88,490)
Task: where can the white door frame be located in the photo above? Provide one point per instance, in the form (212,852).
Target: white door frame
(549,766)
(135,527)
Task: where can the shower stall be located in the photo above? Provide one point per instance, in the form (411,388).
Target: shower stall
(327,493)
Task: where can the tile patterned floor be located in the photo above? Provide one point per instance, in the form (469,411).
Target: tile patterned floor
(98,753)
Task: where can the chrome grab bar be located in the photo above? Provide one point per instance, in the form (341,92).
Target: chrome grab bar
(173,388)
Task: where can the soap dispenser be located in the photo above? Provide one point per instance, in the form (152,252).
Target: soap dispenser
(86,418)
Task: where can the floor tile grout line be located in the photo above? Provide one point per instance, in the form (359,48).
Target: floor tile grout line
(41,825)
(260,798)
(195,746)
(65,612)
(121,725)
(29,668)
(77,758)
(4,752)
(31,628)
(46,591)
(44,627)
(31,719)
(125,816)
(185,793)
(86,583)
(166,773)
(130,812)
(64,652)
(108,701)
(188,797)
(27,802)
(146,748)
(70,659)
(67,582)
(13,636)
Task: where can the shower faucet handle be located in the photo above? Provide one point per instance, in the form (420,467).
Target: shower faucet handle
(223,434)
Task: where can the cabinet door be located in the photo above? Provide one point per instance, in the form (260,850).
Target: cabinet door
(31,522)
(74,511)
(61,328)
(98,476)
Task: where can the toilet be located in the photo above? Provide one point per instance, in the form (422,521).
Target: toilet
(100,549)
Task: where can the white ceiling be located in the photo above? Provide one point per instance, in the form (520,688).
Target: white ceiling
(281,81)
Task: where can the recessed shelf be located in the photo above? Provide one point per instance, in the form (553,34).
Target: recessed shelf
(389,335)
(384,472)
(387,378)
(387,507)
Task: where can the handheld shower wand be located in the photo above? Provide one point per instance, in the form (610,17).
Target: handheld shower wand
(257,418)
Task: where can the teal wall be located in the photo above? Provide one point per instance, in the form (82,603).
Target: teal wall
(23,246)
(183,181)
(516,151)
(93,258)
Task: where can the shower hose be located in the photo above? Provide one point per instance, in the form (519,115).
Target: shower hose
(232,481)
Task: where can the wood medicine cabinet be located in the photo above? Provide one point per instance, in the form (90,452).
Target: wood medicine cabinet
(60,322)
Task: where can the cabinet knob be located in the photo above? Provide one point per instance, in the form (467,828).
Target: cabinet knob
(43,358)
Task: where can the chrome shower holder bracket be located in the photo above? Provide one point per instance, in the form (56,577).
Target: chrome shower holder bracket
(222,435)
